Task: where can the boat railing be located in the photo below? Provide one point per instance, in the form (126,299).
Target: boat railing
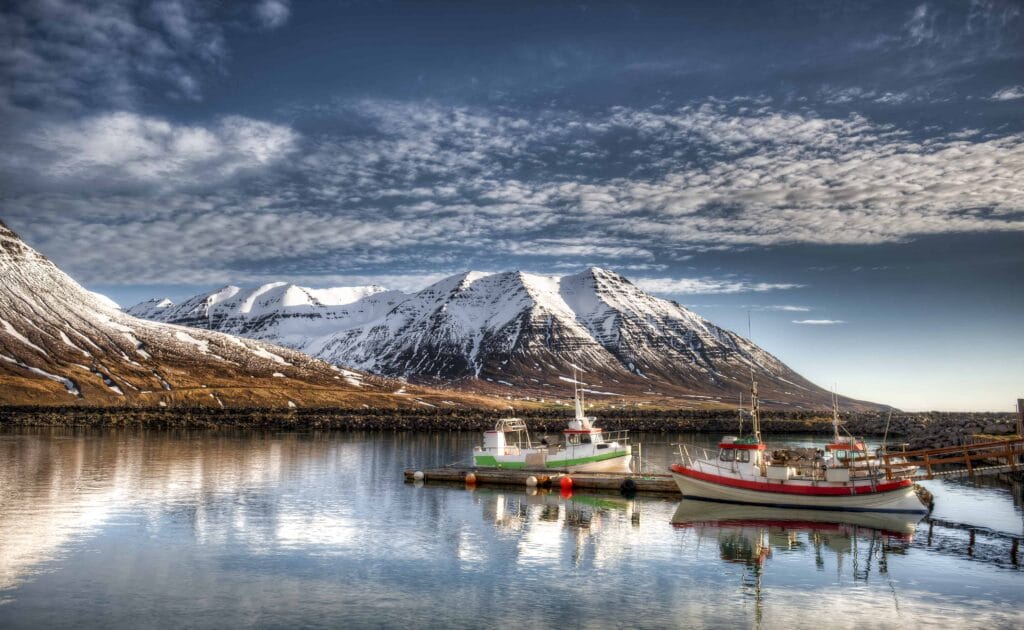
(622,437)
(693,456)
(690,453)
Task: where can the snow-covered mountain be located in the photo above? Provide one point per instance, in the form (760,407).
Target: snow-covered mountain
(492,332)
(278,312)
(61,344)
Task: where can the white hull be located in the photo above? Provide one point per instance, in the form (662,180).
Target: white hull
(902,500)
(618,464)
(614,464)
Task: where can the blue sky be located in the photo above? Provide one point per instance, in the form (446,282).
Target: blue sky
(850,173)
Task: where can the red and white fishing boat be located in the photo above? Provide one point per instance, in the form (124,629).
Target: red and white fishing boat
(743,472)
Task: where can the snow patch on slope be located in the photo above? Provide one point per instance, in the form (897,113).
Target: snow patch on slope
(10,330)
(68,383)
(201,344)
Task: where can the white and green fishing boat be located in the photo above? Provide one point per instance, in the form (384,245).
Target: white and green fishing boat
(582,447)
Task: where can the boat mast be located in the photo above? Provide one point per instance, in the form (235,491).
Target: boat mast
(835,416)
(577,394)
(755,412)
(739,414)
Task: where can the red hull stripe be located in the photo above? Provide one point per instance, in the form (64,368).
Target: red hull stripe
(742,447)
(786,488)
(859,446)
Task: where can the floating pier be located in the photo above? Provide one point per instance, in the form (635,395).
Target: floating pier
(626,483)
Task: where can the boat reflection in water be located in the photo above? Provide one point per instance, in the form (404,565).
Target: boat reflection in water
(549,528)
(749,535)
(514,510)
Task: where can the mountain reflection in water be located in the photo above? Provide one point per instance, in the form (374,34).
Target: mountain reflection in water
(223,528)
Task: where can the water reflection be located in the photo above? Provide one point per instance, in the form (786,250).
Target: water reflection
(749,535)
(316,529)
(589,530)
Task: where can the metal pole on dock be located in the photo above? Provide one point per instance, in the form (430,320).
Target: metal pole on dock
(1020,417)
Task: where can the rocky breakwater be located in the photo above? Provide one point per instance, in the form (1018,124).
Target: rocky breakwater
(932,429)
(915,430)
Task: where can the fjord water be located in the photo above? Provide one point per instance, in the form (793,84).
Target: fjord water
(221,529)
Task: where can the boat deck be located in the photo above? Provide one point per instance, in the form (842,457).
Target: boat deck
(644,483)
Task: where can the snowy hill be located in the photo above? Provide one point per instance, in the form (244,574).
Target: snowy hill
(61,344)
(278,312)
(509,331)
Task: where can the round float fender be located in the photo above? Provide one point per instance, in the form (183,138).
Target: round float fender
(627,487)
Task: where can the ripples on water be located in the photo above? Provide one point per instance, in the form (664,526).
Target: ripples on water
(214,529)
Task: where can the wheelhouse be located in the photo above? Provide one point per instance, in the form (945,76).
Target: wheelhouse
(743,450)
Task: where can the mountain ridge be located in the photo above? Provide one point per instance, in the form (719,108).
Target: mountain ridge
(63,345)
(522,334)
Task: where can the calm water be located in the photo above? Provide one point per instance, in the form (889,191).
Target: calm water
(210,529)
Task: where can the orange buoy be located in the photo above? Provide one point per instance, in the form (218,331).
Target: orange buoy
(566,483)
(470,479)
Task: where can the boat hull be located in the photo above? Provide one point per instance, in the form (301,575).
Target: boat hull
(611,462)
(901,499)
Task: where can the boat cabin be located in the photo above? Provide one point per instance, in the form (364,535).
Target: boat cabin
(508,437)
(582,431)
(743,450)
(844,450)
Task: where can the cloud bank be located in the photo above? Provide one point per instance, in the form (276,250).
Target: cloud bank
(423,185)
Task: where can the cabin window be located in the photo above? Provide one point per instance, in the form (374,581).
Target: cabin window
(743,456)
(727,455)
(585,439)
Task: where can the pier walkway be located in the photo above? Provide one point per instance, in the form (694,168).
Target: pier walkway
(618,482)
(955,462)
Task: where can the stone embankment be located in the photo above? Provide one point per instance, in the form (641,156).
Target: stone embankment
(916,430)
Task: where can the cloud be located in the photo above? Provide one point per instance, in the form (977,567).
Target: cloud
(272,13)
(416,185)
(63,55)
(818,322)
(1011,93)
(921,25)
(855,94)
(706,286)
(124,147)
(772,178)
(785,308)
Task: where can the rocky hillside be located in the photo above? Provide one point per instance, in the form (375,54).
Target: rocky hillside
(512,333)
(61,345)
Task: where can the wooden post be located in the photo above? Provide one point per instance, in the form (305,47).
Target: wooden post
(967,461)
(928,465)
(1020,417)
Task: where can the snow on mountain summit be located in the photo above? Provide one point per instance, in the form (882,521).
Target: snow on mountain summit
(482,329)
(278,311)
(61,344)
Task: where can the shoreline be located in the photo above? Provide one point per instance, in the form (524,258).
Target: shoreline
(915,429)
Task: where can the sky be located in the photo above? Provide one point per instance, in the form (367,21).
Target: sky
(851,174)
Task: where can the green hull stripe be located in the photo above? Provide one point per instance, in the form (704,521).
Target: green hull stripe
(489,461)
(585,460)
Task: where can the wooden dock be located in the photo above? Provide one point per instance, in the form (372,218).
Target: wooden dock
(955,462)
(625,483)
